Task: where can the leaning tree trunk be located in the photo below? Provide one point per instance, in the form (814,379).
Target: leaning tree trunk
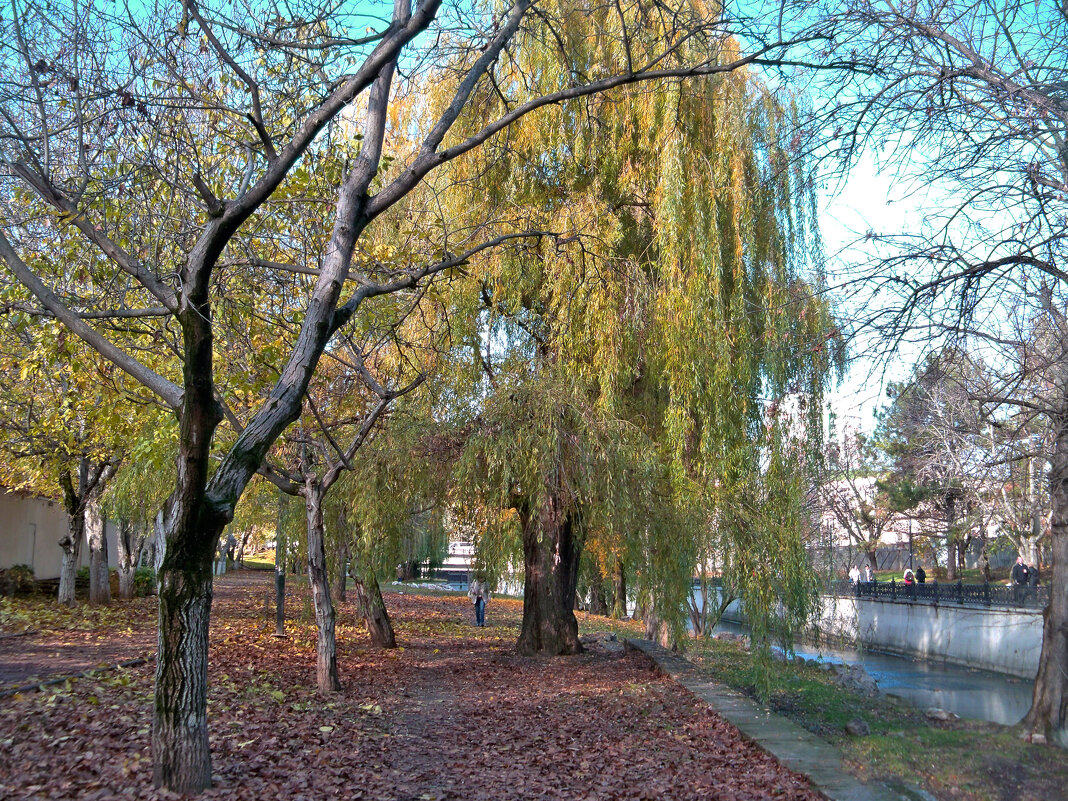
(326,676)
(551,553)
(1049,704)
(96,536)
(373,607)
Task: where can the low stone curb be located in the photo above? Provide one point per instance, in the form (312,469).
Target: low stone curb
(792,745)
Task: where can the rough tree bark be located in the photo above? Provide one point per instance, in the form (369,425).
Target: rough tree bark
(1048,715)
(96,538)
(326,676)
(551,551)
(373,607)
(71,544)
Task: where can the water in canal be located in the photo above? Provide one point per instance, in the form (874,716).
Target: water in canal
(968,692)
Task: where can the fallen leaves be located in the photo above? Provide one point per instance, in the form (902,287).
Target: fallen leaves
(454,715)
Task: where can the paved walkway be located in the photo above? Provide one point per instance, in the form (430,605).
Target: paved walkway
(792,745)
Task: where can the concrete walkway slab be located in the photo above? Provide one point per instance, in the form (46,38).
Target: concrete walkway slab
(792,745)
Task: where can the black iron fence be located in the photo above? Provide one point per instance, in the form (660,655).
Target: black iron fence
(933,592)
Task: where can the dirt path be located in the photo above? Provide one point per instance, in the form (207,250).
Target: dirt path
(454,714)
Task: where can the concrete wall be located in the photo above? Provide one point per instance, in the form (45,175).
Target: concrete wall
(30,530)
(1003,640)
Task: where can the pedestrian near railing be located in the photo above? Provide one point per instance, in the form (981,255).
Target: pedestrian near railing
(985,594)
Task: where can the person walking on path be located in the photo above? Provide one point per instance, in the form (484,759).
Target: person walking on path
(868,575)
(478,592)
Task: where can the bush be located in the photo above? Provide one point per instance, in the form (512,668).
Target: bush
(17,579)
(81,578)
(144,582)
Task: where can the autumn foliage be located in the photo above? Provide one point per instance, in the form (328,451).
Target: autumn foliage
(453,713)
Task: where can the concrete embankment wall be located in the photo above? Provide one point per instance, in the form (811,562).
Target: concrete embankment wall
(1003,640)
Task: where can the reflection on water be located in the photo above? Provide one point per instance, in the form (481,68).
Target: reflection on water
(968,692)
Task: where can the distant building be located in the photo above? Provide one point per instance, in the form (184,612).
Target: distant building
(30,530)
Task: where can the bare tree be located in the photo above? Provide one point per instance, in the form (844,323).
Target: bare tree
(969,102)
(851,496)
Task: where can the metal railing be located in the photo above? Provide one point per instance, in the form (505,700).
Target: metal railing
(932,592)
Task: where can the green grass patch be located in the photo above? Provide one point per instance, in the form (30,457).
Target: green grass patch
(951,760)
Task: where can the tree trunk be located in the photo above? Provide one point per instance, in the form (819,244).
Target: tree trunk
(326,677)
(373,607)
(127,561)
(619,605)
(239,549)
(598,600)
(279,572)
(341,584)
(180,751)
(872,560)
(72,555)
(96,537)
(1049,704)
(951,541)
(551,551)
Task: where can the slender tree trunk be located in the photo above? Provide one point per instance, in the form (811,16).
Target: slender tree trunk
(72,555)
(619,606)
(1049,704)
(551,551)
(373,607)
(96,536)
(341,584)
(951,542)
(326,677)
(279,573)
(241,545)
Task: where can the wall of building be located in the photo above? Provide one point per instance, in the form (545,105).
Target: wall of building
(1003,640)
(30,531)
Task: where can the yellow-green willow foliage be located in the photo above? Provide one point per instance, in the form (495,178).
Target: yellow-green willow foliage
(658,356)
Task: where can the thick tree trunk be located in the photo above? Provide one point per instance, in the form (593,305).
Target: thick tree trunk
(598,599)
(72,555)
(180,749)
(373,607)
(551,551)
(96,537)
(1049,705)
(326,677)
(619,605)
(872,560)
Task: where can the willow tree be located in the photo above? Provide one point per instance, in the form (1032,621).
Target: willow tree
(648,373)
(163,135)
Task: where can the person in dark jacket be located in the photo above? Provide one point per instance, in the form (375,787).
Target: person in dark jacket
(1020,574)
(921,575)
